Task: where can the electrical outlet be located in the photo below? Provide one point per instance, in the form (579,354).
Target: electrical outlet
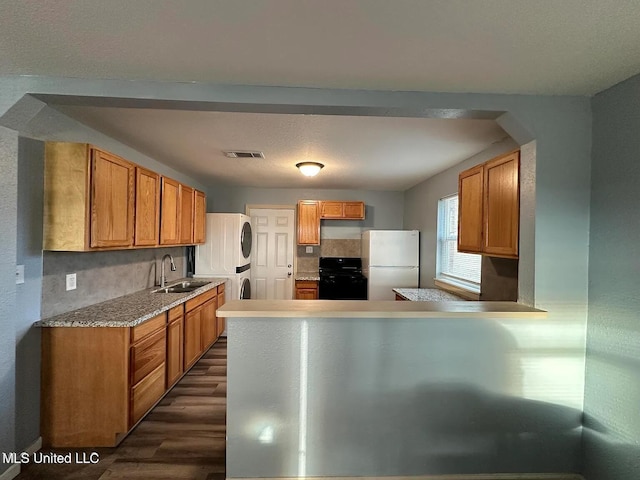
(19,274)
(71,281)
(309,250)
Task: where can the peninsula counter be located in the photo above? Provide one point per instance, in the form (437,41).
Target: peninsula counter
(322,388)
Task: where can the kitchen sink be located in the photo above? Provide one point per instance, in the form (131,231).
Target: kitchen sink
(191,284)
(176,289)
(182,287)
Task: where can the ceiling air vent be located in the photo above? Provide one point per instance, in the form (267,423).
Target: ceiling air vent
(243,154)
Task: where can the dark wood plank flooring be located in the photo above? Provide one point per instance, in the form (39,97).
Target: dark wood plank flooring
(183,437)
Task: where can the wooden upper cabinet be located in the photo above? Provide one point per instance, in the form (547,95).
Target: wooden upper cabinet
(95,200)
(502,205)
(112,200)
(199,217)
(470,198)
(308,222)
(354,210)
(186,214)
(170,208)
(489,207)
(331,209)
(147,210)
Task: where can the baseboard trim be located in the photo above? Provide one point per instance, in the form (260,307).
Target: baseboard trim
(14,470)
(10,473)
(34,447)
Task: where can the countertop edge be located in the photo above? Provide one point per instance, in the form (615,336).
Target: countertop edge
(375,309)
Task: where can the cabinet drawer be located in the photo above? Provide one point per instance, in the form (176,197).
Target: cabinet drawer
(175,313)
(140,331)
(147,355)
(220,288)
(306,284)
(200,299)
(146,393)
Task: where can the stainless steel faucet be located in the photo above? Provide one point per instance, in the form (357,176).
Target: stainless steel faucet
(163,278)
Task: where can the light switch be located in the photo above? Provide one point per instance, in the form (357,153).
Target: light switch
(19,274)
(71,281)
(309,250)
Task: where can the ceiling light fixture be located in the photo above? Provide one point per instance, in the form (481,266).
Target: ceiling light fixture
(309,169)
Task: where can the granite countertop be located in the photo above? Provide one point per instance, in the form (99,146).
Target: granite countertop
(308,276)
(427,295)
(367,309)
(129,310)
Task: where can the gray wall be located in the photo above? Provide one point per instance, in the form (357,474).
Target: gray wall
(421,206)
(612,390)
(561,126)
(8,220)
(383,208)
(28,295)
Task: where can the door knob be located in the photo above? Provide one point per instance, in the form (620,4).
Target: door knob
(288,274)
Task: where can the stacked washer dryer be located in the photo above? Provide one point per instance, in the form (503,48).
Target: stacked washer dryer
(227,253)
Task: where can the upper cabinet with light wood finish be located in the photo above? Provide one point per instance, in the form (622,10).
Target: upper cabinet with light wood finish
(147,209)
(89,198)
(95,200)
(170,208)
(308,222)
(310,212)
(341,210)
(489,207)
(186,214)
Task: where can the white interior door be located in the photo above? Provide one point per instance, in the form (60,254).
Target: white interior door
(272,253)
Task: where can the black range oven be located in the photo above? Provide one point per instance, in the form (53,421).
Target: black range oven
(341,279)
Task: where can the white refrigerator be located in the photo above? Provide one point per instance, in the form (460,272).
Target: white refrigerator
(389,260)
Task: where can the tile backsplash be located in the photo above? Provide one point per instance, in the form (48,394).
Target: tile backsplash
(308,262)
(102,275)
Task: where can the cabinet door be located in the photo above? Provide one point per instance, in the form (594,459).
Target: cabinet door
(208,324)
(470,198)
(199,217)
(175,351)
(220,320)
(112,201)
(354,210)
(170,207)
(501,206)
(331,209)
(147,210)
(308,222)
(186,214)
(192,334)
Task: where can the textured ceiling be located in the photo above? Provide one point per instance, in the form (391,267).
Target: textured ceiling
(507,46)
(373,153)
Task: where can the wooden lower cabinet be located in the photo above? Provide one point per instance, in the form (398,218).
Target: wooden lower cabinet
(209,324)
(175,345)
(306,290)
(98,382)
(192,333)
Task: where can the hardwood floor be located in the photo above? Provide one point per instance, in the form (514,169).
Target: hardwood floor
(183,437)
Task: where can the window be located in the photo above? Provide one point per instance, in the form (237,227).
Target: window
(462,269)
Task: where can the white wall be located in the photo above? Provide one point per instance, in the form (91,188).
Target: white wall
(421,206)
